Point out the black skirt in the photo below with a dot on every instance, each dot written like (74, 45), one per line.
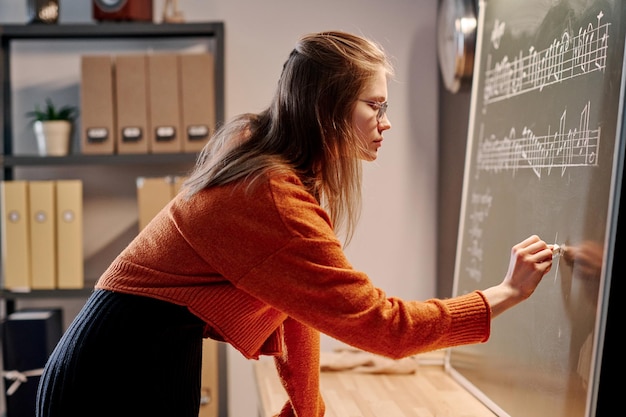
(125, 355)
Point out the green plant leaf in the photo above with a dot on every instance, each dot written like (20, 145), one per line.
(50, 112)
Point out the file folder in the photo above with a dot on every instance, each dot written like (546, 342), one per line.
(42, 234)
(97, 105)
(197, 87)
(15, 235)
(164, 113)
(152, 195)
(131, 96)
(69, 215)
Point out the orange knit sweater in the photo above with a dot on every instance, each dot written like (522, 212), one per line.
(265, 271)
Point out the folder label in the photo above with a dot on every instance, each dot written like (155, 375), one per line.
(165, 133)
(132, 134)
(97, 134)
(198, 133)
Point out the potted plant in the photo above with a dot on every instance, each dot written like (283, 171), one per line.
(53, 128)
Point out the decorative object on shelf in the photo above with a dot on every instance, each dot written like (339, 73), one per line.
(122, 10)
(171, 12)
(43, 11)
(53, 128)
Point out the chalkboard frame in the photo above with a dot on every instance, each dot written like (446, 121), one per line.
(605, 326)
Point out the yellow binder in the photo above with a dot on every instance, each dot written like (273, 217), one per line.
(15, 235)
(42, 234)
(152, 195)
(69, 214)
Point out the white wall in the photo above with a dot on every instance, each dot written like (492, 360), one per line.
(396, 239)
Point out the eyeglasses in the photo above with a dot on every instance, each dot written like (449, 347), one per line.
(380, 107)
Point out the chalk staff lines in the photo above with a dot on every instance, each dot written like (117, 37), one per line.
(566, 58)
(541, 153)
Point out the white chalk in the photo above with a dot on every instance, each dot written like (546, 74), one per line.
(557, 250)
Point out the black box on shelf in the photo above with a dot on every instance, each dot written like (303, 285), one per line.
(28, 338)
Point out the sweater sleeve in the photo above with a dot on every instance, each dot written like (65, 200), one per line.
(344, 304)
(298, 369)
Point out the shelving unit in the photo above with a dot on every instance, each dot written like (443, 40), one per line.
(10, 160)
(111, 175)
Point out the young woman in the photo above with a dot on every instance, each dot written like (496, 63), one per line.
(248, 254)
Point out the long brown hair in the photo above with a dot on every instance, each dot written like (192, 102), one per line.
(307, 129)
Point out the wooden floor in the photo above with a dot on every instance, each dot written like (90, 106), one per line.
(429, 392)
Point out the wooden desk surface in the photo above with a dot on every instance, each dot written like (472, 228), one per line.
(429, 392)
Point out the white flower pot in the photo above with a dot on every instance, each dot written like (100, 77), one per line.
(53, 137)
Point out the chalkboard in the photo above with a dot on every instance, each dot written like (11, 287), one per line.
(544, 156)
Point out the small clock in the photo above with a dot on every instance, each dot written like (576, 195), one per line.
(456, 41)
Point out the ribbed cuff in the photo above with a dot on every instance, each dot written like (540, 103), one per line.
(471, 318)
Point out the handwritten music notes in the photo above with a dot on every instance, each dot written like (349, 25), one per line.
(565, 148)
(573, 54)
(568, 57)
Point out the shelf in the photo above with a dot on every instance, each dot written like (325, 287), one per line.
(14, 295)
(79, 159)
(95, 31)
(111, 30)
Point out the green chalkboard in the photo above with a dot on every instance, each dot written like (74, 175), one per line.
(544, 156)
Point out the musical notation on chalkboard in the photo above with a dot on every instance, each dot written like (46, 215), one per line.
(565, 148)
(567, 57)
(480, 204)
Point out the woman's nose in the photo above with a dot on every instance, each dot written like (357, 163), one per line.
(384, 123)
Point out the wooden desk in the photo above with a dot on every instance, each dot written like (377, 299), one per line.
(430, 392)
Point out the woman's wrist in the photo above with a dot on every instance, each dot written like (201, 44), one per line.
(501, 297)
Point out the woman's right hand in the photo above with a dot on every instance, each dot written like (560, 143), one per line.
(530, 260)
